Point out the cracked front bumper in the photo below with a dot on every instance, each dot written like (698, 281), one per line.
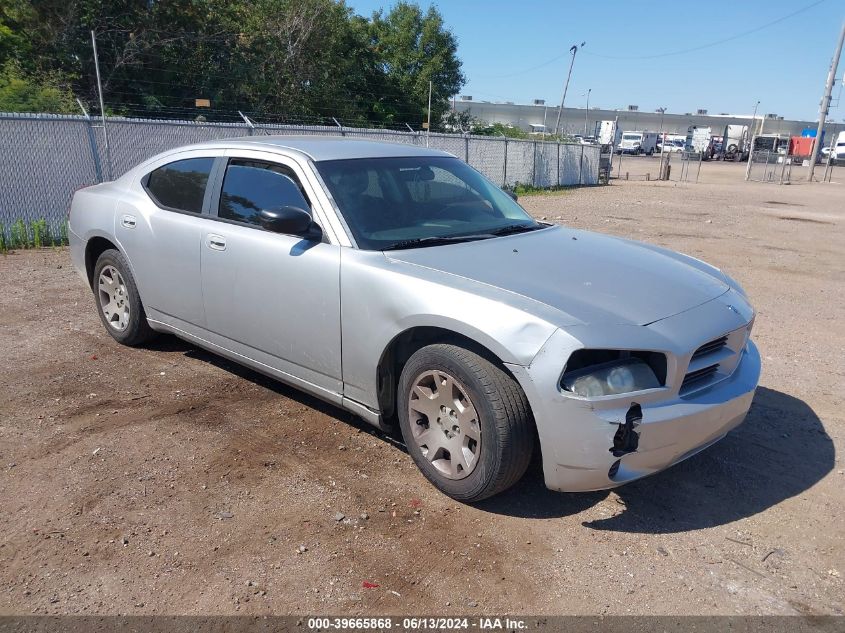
(576, 435)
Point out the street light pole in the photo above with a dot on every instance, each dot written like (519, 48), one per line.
(574, 50)
(752, 137)
(428, 123)
(662, 138)
(587, 111)
(660, 133)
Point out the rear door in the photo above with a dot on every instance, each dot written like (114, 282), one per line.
(160, 226)
(271, 297)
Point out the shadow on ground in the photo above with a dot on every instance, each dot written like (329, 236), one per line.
(171, 344)
(780, 451)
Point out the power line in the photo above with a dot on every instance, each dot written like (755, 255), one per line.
(714, 43)
(525, 70)
(667, 54)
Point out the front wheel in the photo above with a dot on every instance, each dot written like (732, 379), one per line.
(118, 302)
(465, 421)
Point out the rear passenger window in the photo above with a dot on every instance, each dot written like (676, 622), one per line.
(250, 187)
(180, 185)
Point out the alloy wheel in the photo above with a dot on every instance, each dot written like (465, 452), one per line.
(445, 424)
(114, 299)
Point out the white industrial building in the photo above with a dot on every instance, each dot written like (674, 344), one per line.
(533, 117)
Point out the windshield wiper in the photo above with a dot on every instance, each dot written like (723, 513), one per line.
(433, 240)
(453, 239)
(514, 228)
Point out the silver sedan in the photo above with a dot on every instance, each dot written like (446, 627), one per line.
(400, 284)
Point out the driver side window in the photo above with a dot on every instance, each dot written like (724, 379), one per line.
(251, 186)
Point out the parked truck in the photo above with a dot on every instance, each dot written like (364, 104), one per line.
(839, 148)
(698, 139)
(608, 133)
(735, 142)
(638, 143)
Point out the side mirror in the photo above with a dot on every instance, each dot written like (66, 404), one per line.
(287, 219)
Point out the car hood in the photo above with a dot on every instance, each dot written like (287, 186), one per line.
(588, 277)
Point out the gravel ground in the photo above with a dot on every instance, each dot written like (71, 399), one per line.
(167, 480)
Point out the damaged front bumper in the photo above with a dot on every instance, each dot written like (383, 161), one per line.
(603, 443)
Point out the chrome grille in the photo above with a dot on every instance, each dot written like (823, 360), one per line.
(698, 375)
(713, 346)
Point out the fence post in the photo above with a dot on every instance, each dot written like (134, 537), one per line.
(581, 168)
(466, 149)
(558, 163)
(95, 154)
(505, 175)
(249, 124)
(534, 166)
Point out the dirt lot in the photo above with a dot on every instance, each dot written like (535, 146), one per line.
(166, 480)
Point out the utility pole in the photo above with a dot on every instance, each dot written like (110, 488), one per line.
(825, 104)
(102, 107)
(753, 137)
(749, 135)
(574, 51)
(587, 111)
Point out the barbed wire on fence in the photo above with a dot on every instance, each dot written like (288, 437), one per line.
(44, 158)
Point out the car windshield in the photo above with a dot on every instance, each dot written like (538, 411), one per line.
(631, 137)
(419, 201)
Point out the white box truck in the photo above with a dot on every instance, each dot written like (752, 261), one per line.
(609, 133)
(638, 143)
(698, 139)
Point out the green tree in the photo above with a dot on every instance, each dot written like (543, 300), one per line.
(22, 93)
(413, 49)
(482, 128)
(293, 59)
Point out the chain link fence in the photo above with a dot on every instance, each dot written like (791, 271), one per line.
(45, 158)
(768, 166)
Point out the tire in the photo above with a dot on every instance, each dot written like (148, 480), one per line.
(118, 302)
(488, 408)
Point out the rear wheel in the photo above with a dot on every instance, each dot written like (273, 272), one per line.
(465, 421)
(118, 302)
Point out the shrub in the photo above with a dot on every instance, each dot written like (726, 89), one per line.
(18, 237)
(40, 233)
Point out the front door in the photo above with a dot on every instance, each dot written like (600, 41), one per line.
(274, 298)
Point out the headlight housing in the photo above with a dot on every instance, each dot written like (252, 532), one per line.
(627, 373)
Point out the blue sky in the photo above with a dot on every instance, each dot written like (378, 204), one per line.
(785, 65)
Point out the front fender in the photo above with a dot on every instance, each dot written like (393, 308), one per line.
(379, 303)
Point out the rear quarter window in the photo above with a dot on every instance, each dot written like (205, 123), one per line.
(180, 185)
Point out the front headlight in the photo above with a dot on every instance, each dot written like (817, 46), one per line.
(614, 377)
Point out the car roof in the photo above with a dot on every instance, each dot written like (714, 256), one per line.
(320, 148)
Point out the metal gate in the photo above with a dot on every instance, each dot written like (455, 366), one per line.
(768, 166)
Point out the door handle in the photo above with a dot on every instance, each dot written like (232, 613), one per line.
(216, 242)
(128, 221)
